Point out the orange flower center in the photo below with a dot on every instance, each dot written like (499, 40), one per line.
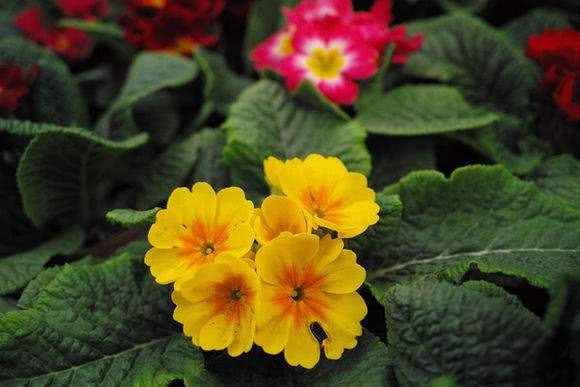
(232, 297)
(202, 242)
(321, 204)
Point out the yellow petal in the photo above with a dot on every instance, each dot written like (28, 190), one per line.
(217, 333)
(181, 203)
(346, 311)
(200, 287)
(192, 316)
(337, 340)
(243, 336)
(240, 240)
(165, 232)
(329, 249)
(278, 214)
(284, 252)
(302, 348)
(232, 206)
(354, 187)
(356, 218)
(205, 202)
(166, 265)
(273, 335)
(343, 275)
(272, 169)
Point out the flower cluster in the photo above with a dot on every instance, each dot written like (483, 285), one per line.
(330, 45)
(14, 85)
(277, 276)
(71, 43)
(558, 53)
(177, 26)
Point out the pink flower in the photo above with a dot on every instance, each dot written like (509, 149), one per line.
(310, 11)
(332, 59)
(404, 46)
(274, 51)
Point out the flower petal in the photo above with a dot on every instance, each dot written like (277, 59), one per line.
(343, 275)
(166, 265)
(232, 206)
(205, 201)
(240, 240)
(217, 333)
(302, 348)
(165, 232)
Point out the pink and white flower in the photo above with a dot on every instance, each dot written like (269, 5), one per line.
(271, 53)
(311, 11)
(332, 59)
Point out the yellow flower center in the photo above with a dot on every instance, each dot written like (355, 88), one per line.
(298, 294)
(236, 295)
(208, 249)
(326, 63)
(284, 47)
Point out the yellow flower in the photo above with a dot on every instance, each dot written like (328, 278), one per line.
(271, 169)
(307, 281)
(278, 214)
(218, 305)
(198, 226)
(329, 194)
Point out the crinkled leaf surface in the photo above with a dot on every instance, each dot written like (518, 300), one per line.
(53, 79)
(108, 324)
(131, 218)
(480, 216)
(267, 120)
(17, 269)
(560, 176)
(63, 168)
(439, 329)
(421, 110)
(464, 51)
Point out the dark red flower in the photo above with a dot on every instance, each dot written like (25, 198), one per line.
(170, 25)
(83, 9)
(558, 53)
(14, 84)
(404, 45)
(71, 43)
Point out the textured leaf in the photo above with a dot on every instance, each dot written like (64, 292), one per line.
(267, 120)
(222, 85)
(463, 51)
(483, 217)
(54, 79)
(96, 28)
(560, 176)
(63, 169)
(420, 110)
(151, 72)
(195, 157)
(437, 329)
(98, 325)
(535, 22)
(7, 304)
(131, 218)
(18, 269)
(395, 157)
(366, 364)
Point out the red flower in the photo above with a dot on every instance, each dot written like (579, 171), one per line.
(14, 84)
(71, 43)
(558, 53)
(83, 9)
(170, 25)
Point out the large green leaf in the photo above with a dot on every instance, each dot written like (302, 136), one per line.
(63, 170)
(480, 217)
(421, 110)
(560, 176)
(464, 51)
(54, 79)
(18, 269)
(150, 73)
(535, 22)
(268, 120)
(437, 329)
(98, 325)
(197, 157)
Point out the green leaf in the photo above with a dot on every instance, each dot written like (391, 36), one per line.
(420, 110)
(96, 28)
(36, 286)
(366, 364)
(463, 51)
(491, 290)
(265, 19)
(18, 269)
(63, 169)
(560, 176)
(184, 162)
(150, 73)
(7, 304)
(53, 79)
(131, 218)
(108, 324)
(535, 22)
(437, 329)
(267, 120)
(480, 217)
(395, 157)
(222, 85)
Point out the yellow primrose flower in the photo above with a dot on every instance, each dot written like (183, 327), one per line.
(271, 169)
(277, 215)
(329, 194)
(306, 281)
(198, 226)
(218, 304)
